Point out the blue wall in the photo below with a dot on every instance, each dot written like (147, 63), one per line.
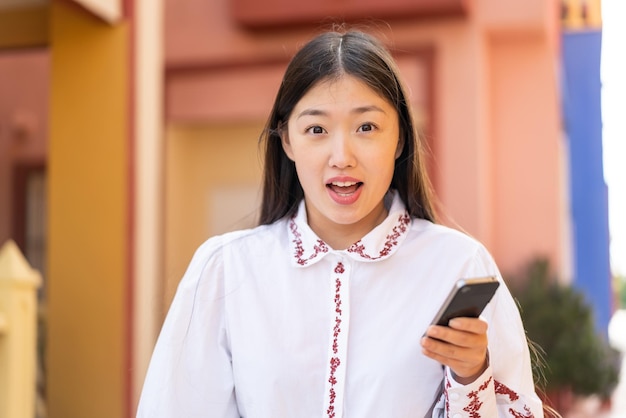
(588, 190)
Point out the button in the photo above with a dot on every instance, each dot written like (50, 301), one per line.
(454, 396)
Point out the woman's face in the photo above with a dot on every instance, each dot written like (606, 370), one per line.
(343, 138)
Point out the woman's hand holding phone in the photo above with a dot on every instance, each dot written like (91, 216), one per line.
(457, 338)
(462, 346)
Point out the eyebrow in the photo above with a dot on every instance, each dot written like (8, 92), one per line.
(357, 110)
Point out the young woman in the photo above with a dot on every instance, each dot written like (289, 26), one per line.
(324, 309)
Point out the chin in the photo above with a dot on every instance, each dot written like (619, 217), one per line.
(346, 218)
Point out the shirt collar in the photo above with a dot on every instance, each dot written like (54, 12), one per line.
(379, 244)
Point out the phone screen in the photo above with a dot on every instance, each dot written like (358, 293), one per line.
(468, 298)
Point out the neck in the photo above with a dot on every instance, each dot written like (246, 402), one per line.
(342, 236)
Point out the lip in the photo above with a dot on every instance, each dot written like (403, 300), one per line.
(344, 198)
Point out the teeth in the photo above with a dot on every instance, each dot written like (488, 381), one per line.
(343, 183)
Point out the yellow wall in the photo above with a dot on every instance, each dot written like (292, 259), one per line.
(213, 178)
(88, 247)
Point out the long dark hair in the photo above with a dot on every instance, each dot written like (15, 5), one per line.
(327, 56)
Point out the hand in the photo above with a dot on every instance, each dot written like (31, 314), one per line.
(462, 346)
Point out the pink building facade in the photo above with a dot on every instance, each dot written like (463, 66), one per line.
(484, 80)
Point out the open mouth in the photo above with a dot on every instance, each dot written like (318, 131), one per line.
(344, 188)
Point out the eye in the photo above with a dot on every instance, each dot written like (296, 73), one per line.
(366, 127)
(316, 130)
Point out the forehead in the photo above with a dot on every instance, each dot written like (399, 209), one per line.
(344, 90)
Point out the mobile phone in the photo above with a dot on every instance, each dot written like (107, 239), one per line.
(467, 298)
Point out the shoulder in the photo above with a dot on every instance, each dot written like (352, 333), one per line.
(440, 242)
(430, 233)
(209, 257)
(239, 240)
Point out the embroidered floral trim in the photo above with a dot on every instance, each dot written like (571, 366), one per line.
(473, 408)
(320, 248)
(447, 398)
(504, 390)
(526, 414)
(357, 248)
(335, 362)
(391, 241)
(475, 404)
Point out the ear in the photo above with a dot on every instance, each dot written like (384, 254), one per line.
(400, 146)
(284, 140)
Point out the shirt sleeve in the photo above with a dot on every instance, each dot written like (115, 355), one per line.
(506, 388)
(190, 373)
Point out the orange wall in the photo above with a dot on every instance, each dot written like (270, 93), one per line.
(88, 245)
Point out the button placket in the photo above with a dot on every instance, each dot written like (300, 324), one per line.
(337, 361)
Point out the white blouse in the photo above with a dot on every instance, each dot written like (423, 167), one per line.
(273, 323)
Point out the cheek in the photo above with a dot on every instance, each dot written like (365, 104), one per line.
(308, 178)
(386, 166)
(304, 168)
(307, 153)
(385, 158)
(299, 155)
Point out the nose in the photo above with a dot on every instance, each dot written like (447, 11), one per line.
(342, 151)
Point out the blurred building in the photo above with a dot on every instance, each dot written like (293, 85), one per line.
(129, 134)
(581, 97)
